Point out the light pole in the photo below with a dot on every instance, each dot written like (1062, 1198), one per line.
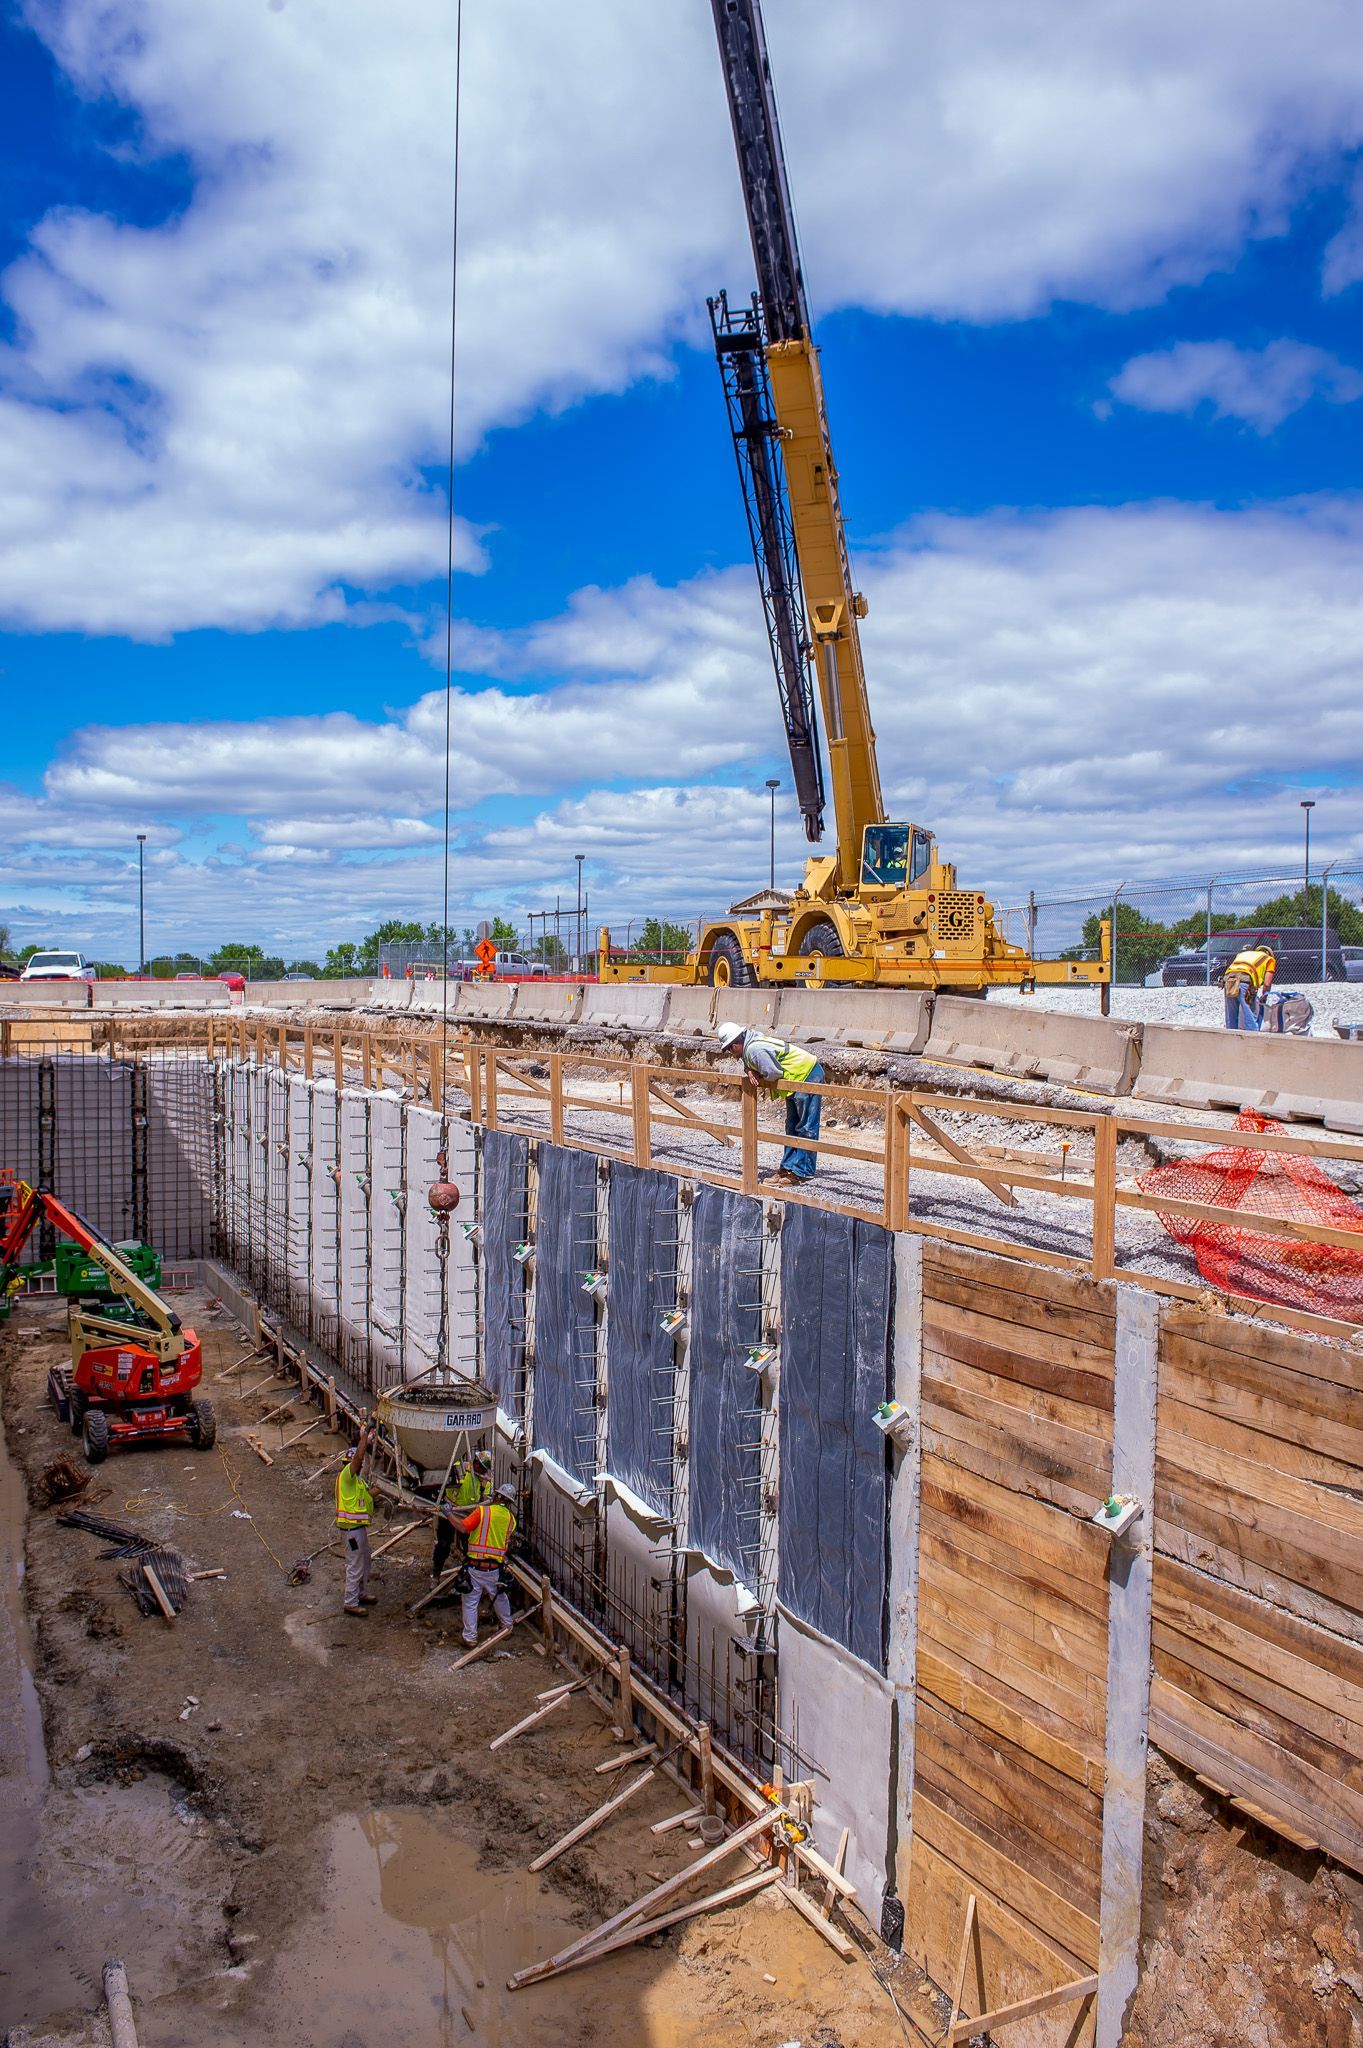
(141, 909)
(579, 858)
(1308, 804)
(773, 785)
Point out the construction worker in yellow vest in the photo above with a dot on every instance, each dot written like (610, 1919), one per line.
(1245, 985)
(779, 1066)
(354, 1506)
(489, 1530)
(469, 1489)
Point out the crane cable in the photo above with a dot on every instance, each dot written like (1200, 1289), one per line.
(449, 569)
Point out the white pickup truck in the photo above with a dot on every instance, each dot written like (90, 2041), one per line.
(58, 967)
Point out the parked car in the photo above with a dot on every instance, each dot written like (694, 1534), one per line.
(189, 977)
(299, 977)
(1353, 962)
(58, 967)
(233, 980)
(1297, 949)
(517, 964)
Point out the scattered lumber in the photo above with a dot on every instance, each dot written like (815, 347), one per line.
(676, 1820)
(642, 1754)
(442, 1585)
(1024, 2009)
(593, 1820)
(641, 1907)
(258, 1447)
(159, 1592)
(711, 1903)
(392, 1542)
(559, 1699)
(819, 1920)
(291, 1441)
(491, 1642)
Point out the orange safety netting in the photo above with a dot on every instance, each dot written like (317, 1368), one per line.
(1321, 1278)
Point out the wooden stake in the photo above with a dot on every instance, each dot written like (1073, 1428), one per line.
(593, 1820)
(159, 1591)
(547, 1612)
(707, 1769)
(839, 1864)
(626, 1701)
(319, 1424)
(810, 1912)
(668, 1889)
(963, 1959)
(392, 1542)
(282, 1409)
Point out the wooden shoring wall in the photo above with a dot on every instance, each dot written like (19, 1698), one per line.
(1011, 1698)
(1258, 1587)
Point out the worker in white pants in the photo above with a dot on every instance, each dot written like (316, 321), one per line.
(354, 1506)
(489, 1529)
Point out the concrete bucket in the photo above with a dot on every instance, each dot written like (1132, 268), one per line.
(433, 1423)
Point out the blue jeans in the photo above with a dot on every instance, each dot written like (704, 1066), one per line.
(1241, 1014)
(802, 1121)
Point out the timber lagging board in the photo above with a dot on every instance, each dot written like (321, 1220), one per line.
(1258, 1591)
(1012, 1649)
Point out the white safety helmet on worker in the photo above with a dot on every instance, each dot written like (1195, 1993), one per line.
(729, 1034)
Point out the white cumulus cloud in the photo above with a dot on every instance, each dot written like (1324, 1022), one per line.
(1260, 386)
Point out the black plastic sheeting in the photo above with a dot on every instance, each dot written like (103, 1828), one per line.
(505, 1164)
(836, 1286)
(564, 1421)
(725, 1463)
(640, 1356)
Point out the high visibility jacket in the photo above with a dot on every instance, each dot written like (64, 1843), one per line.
(795, 1063)
(490, 1530)
(1254, 965)
(470, 1490)
(354, 1501)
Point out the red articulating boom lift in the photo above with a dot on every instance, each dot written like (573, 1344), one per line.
(134, 1365)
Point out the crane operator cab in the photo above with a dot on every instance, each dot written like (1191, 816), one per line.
(894, 856)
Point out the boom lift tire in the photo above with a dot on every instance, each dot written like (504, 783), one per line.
(76, 1410)
(203, 1425)
(728, 968)
(94, 1436)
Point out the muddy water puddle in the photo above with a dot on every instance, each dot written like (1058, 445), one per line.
(414, 1944)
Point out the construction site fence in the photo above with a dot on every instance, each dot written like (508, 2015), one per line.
(892, 1139)
(1145, 913)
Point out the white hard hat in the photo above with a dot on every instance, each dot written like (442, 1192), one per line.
(729, 1034)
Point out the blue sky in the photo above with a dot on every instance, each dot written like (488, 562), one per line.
(1088, 300)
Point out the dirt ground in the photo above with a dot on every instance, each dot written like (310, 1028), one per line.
(289, 1824)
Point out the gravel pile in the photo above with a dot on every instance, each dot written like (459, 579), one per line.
(1334, 1002)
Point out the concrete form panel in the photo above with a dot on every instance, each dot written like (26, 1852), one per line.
(503, 1215)
(837, 1715)
(641, 1356)
(565, 1407)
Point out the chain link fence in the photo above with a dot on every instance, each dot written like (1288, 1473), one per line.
(1166, 929)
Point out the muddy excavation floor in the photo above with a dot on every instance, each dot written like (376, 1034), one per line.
(322, 1851)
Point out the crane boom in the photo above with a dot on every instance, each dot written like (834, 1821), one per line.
(810, 496)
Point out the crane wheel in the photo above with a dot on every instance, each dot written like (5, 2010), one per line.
(822, 938)
(203, 1426)
(728, 968)
(94, 1436)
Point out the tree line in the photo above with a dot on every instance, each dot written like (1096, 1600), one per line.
(1143, 943)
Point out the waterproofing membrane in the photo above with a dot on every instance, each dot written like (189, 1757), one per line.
(564, 1422)
(725, 1417)
(836, 1278)
(640, 1356)
(505, 1162)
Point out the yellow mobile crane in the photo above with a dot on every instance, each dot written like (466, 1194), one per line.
(882, 907)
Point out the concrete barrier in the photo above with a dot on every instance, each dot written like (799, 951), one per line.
(883, 1020)
(392, 995)
(625, 1005)
(49, 995)
(549, 1002)
(1100, 1053)
(691, 1011)
(318, 994)
(1313, 1080)
(161, 995)
(479, 1001)
(754, 1008)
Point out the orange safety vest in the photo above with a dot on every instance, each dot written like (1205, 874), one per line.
(490, 1540)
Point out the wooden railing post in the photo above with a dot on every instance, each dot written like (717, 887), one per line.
(474, 1056)
(747, 1107)
(338, 1058)
(1104, 1197)
(556, 1097)
(307, 1052)
(490, 1090)
(640, 1078)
